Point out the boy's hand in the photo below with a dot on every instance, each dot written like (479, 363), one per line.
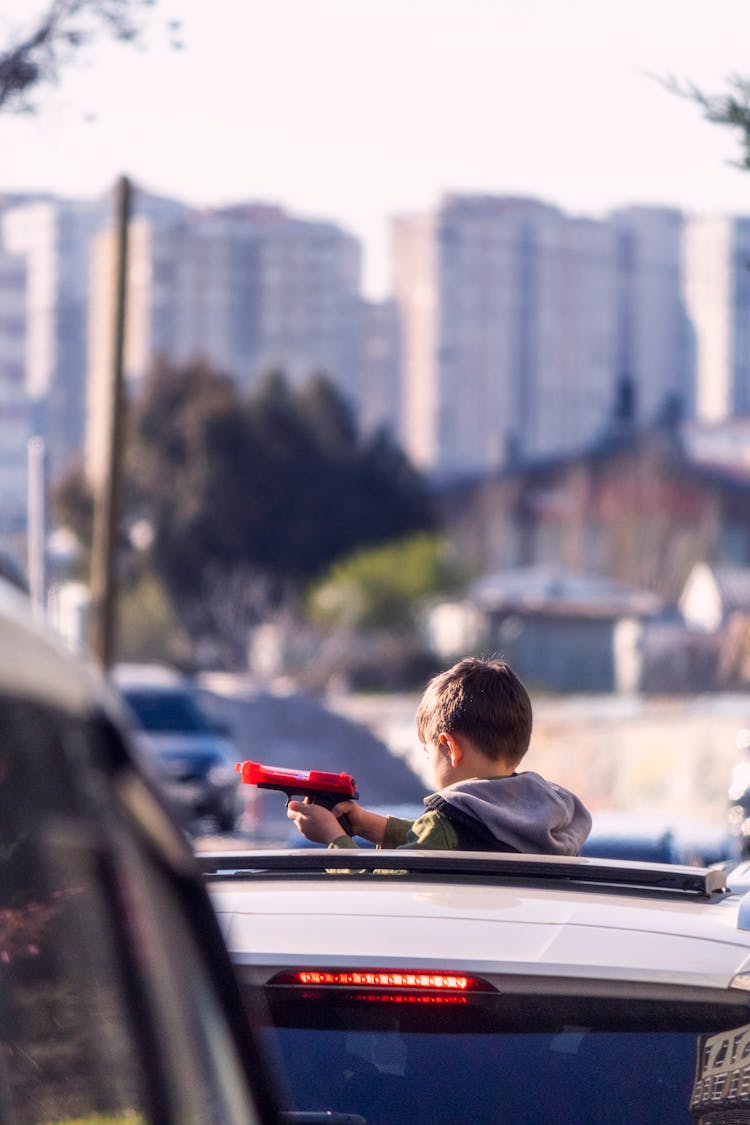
(315, 822)
(369, 825)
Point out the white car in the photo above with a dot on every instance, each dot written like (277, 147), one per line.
(422, 987)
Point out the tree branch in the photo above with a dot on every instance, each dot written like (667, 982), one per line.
(731, 108)
(66, 26)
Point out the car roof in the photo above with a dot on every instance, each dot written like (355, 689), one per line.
(35, 662)
(530, 916)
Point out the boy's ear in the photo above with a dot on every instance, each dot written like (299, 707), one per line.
(454, 749)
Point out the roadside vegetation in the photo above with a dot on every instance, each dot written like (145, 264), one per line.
(237, 506)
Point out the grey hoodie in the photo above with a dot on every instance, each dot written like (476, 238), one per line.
(521, 813)
(524, 812)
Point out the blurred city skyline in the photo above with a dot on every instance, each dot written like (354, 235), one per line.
(357, 112)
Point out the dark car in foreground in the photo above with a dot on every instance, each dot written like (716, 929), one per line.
(118, 1002)
(193, 756)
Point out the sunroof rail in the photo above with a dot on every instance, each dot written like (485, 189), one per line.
(696, 882)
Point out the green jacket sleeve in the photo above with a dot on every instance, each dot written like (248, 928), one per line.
(343, 841)
(432, 830)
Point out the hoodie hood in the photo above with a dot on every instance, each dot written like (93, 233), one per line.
(524, 811)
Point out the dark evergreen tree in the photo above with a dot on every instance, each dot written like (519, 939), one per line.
(276, 486)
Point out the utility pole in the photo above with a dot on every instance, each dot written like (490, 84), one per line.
(107, 489)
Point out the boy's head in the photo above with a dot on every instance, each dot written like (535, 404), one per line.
(483, 700)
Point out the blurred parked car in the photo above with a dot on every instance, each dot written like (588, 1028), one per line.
(194, 755)
(118, 1001)
(658, 839)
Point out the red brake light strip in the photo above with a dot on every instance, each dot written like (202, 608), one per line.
(435, 982)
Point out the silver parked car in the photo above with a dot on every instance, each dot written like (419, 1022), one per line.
(193, 756)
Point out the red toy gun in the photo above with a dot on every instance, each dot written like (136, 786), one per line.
(322, 788)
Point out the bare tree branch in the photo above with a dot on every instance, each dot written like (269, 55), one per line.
(731, 108)
(38, 56)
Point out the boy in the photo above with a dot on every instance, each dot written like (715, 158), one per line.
(474, 722)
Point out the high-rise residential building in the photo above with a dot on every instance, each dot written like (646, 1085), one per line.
(653, 335)
(379, 365)
(716, 282)
(308, 297)
(15, 403)
(507, 317)
(568, 377)
(248, 289)
(53, 237)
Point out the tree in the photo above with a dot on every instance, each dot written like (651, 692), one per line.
(38, 55)
(251, 498)
(383, 587)
(731, 108)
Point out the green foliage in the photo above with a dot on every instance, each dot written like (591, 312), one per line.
(73, 508)
(277, 485)
(731, 108)
(383, 587)
(244, 501)
(147, 626)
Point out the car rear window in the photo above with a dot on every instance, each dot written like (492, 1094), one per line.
(515, 1059)
(166, 711)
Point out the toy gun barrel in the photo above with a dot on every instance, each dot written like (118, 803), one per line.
(322, 788)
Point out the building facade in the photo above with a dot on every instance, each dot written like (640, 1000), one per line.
(15, 402)
(247, 289)
(654, 340)
(507, 315)
(53, 238)
(640, 511)
(519, 323)
(717, 295)
(379, 367)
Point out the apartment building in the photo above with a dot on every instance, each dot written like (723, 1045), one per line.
(567, 386)
(654, 348)
(379, 366)
(249, 289)
(519, 323)
(15, 402)
(307, 296)
(716, 280)
(53, 237)
(507, 313)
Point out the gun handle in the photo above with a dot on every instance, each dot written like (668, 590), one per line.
(328, 802)
(346, 824)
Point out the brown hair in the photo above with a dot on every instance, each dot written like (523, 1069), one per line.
(483, 699)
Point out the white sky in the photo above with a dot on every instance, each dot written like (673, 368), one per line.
(355, 110)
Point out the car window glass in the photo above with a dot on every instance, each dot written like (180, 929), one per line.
(69, 1047)
(166, 711)
(517, 1061)
(199, 1057)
